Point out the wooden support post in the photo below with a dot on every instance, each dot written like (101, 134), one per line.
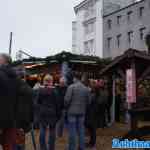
(113, 104)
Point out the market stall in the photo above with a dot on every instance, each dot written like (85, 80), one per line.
(64, 63)
(133, 67)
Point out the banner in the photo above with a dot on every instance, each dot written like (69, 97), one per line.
(131, 86)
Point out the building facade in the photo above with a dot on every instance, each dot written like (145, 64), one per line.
(126, 28)
(87, 37)
(74, 36)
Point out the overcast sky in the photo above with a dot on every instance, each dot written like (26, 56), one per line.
(40, 27)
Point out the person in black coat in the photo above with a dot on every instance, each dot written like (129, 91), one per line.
(61, 91)
(10, 103)
(48, 112)
(24, 114)
(96, 112)
(8, 96)
(109, 104)
(92, 118)
(24, 110)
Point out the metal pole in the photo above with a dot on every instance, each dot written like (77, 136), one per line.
(10, 44)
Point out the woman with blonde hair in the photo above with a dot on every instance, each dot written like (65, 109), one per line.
(48, 113)
(37, 84)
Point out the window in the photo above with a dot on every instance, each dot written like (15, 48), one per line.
(89, 28)
(73, 46)
(90, 10)
(86, 29)
(142, 30)
(130, 36)
(109, 42)
(89, 47)
(109, 22)
(119, 19)
(129, 15)
(74, 26)
(141, 10)
(119, 40)
(86, 48)
(87, 13)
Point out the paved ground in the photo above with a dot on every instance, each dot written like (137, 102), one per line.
(103, 142)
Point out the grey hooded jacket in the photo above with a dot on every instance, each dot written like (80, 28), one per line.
(77, 98)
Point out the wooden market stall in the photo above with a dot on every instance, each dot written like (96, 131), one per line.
(139, 62)
(91, 65)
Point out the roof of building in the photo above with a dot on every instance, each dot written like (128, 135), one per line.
(64, 56)
(123, 62)
(36, 65)
(112, 13)
(81, 4)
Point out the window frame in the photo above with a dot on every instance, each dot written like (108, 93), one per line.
(109, 24)
(119, 19)
(130, 34)
(141, 30)
(109, 39)
(129, 13)
(86, 47)
(141, 11)
(119, 40)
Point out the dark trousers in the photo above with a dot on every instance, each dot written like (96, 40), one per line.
(108, 114)
(92, 132)
(51, 138)
(117, 113)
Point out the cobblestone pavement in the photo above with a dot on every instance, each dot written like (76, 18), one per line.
(104, 140)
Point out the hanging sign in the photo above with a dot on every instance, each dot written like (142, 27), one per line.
(131, 86)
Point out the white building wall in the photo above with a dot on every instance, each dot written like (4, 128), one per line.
(74, 28)
(80, 32)
(99, 28)
(97, 35)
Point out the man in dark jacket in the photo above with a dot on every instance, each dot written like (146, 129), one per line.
(24, 111)
(8, 94)
(61, 91)
(10, 86)
(92, 116)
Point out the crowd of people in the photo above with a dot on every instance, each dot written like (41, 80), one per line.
(80, 106)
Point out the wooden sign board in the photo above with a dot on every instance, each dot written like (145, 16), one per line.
(131, 86)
